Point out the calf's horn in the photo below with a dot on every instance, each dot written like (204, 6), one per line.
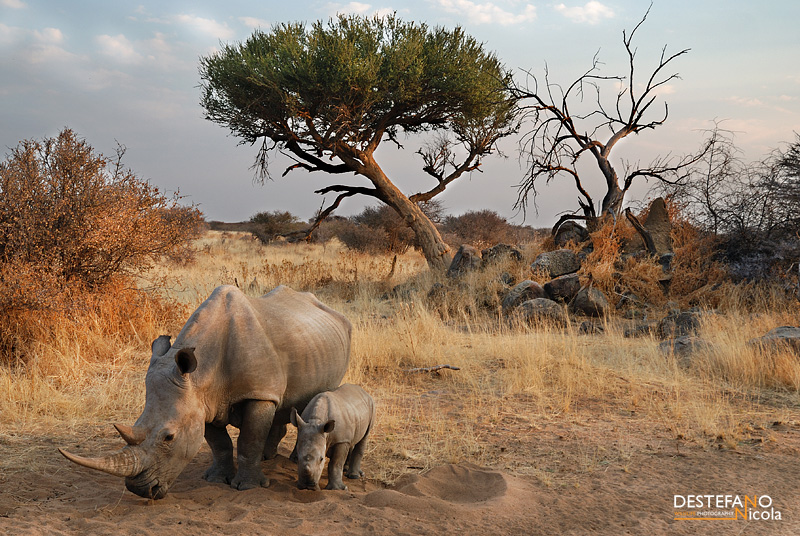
(131, 434)
(124, 463)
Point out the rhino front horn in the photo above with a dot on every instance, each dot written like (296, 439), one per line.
(124, 463)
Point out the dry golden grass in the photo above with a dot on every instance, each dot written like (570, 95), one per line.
(509, 373)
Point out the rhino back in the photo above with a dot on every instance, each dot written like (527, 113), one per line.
(284, 347)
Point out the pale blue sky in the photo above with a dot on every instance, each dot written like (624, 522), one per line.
(128, 72)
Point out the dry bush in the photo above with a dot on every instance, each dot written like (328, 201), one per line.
(74, 227)
(82, 215)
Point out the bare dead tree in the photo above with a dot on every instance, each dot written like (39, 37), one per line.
(559, 138)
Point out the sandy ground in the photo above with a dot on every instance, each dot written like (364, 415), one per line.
(597, 474)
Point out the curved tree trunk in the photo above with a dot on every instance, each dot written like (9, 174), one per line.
(435, 250)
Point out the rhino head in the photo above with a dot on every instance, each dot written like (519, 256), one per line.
(311, 449)
(168, 433)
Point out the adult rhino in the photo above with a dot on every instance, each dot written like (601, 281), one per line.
(240, 361)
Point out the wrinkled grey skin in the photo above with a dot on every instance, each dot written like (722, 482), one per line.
(240, 361)
(335, 424)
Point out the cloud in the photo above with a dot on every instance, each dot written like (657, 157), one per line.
(119, 48)
(488, 13)
(13, 4)
(746, 101)
(49, 35)
(357, 8)
(206, 26)
(253, 22)
(591, 13)
(34, 46)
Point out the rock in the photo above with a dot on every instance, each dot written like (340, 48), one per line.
(665, 261)
(569, 231)
(657, 224)
(404, 291)
(437, 293)
(558, 262)
(683, 348)
(523, 291)
(782, 337)
(499, 252)
(634, 314)
(564, 288)
(507, 279)
(542, 310)
(465, 260)
(642, 329)
(591, 302)
(679, 324)
(590, 328)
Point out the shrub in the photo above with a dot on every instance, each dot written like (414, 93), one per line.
(479, 228)
(389, 228)
(72, 223)
(82, 216)
(363, 238)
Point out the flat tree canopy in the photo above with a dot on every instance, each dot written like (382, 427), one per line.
(329, 94)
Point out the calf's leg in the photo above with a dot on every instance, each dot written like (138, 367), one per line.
(354, 459)
(336, 466)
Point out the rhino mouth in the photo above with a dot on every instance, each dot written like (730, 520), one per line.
(303, 483)
(152, 489)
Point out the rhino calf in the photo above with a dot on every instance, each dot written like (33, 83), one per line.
(337, 424)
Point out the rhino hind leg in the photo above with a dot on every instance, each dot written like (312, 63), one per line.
(354, 460)
(257, 419)
(222, 469)
(336, 466)
(276, 434)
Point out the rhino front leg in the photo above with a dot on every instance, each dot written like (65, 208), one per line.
(257, 416)
(222, 469)
(336, 466)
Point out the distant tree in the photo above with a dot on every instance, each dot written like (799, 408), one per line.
(753, 208)
(328, 96)
(723, 194)
(269, 225)
(561, 134)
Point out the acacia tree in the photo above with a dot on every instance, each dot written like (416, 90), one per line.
(560, 137)
(328, 95)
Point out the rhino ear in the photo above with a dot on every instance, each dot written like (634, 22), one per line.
(328, 426)
(161, 345)
(186, 360)
(295, 418)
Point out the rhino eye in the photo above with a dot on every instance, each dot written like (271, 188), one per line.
(169, 437)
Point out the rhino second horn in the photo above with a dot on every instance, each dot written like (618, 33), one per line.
(124, 463)
(131, 434)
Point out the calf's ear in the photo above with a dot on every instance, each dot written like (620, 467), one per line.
(328, 426)
(294, 418)
(186, 360)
